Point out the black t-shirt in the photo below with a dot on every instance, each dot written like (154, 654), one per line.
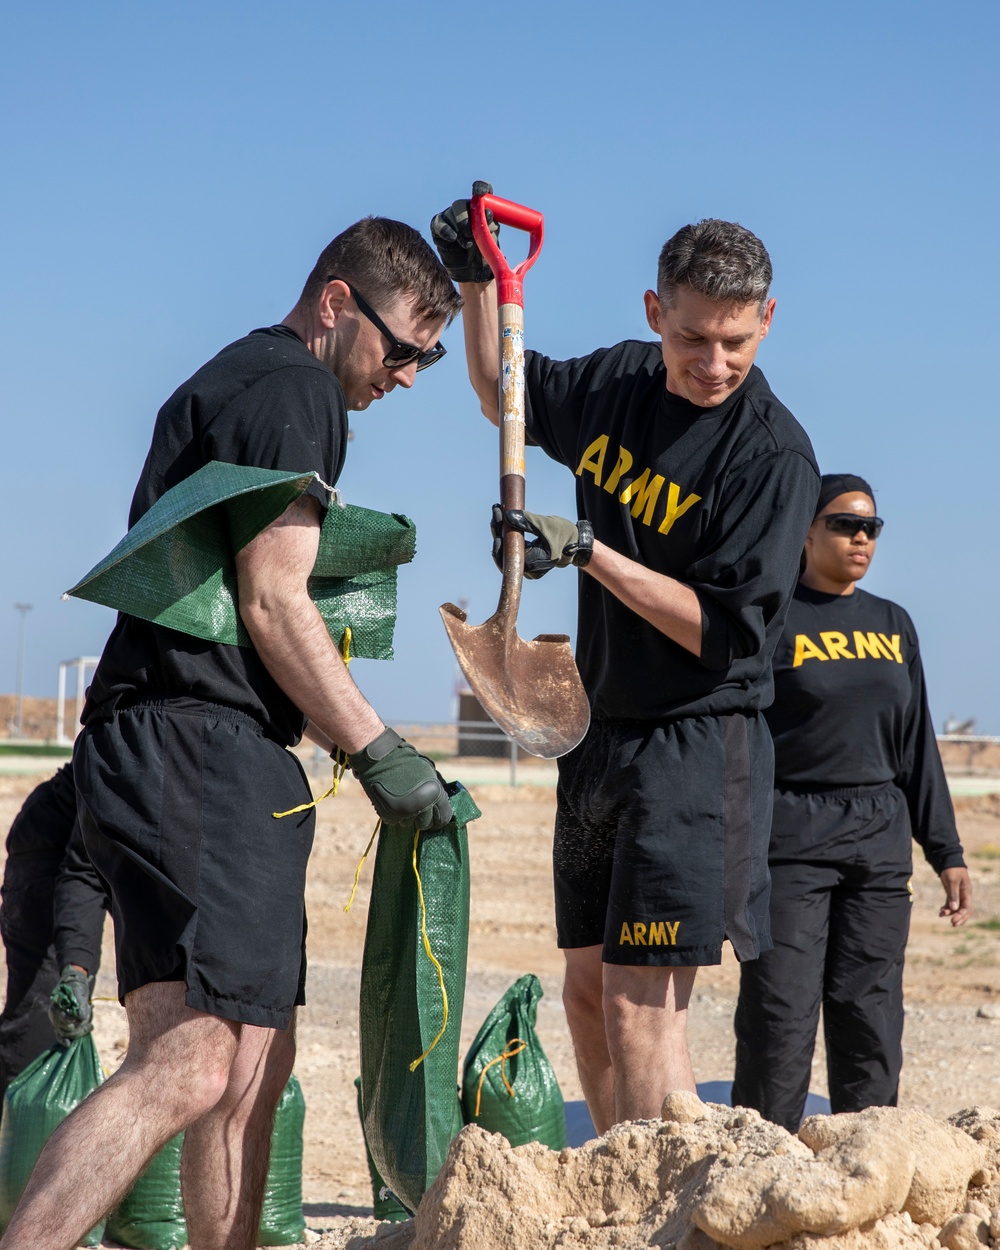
(263, 401)
(850, 709)
(718, 498)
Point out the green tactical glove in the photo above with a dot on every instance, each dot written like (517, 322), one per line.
(404, 787)
(452, 235)
(559, 542)
(70, 1009)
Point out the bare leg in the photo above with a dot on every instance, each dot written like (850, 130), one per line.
(645, 1013)
(224, 1165)
(584, 1002)
(176, 1069)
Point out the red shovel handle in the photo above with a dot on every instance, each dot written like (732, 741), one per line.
(507, 213)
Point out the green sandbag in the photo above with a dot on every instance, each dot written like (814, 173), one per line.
(385, 1204)
(410, 1117)
(176, 566)
(36, 1103)
(535, 1112)
(151, 1216)
(281, 1220)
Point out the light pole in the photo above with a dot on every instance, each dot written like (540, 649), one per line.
(24, 609)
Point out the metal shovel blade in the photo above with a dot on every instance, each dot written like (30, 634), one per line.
(532, 690)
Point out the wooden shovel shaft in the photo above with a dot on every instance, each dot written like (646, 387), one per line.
(511, 405)
(511, 412)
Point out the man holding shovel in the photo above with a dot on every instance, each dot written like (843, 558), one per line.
(695, 488)
(183, 761)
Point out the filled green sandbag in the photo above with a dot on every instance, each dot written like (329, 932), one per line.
(35, 1104)
(176, 565)
(281, 1220)
(385, 1204)
(412, 1113)
(531, 1109)
(151, 1216)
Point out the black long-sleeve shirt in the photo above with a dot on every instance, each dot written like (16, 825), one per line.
(718, 498)
(850, 709)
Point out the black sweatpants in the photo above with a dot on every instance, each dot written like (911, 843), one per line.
(45, 921)
(840, 865)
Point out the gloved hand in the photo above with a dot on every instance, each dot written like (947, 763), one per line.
(70, 1009)
(559, 543)
(452, 235)
(404, 787)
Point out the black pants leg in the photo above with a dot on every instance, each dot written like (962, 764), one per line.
(777, 1012)
(840, 910)
(36, 845)
(26, 928)
(863, 1001)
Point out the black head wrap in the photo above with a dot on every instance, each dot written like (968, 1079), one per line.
(834, 484)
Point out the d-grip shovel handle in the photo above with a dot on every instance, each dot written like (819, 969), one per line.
(507, 213)
(510, 311)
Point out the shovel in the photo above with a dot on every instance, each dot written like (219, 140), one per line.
(532, 690)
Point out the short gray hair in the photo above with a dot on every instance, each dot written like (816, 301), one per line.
(719, 259)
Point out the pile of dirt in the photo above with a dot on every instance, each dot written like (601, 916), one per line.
(707, 1177)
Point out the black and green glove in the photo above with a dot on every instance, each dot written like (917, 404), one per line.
(70, 1009)
(559, 542)
(452, 235)
(403, 786)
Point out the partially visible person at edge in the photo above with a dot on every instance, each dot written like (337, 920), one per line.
(51, 922)
(183, 758)
(857, 777)
(695, 488)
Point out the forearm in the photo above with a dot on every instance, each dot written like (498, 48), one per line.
(481, 327)
(292, 640)
(667, 604)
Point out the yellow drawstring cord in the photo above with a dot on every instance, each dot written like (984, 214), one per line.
(426, 940)
(340, 760)
(357, 875)
(431, 956)
(513, 1047)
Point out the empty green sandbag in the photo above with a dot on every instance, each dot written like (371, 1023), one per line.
(385, 1204)
(176, 566)
(281, 1220)
(508, 1074)
(36, 1103)
(151, 1215)
(412, 1113)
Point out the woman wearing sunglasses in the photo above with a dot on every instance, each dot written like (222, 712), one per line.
(857, 776)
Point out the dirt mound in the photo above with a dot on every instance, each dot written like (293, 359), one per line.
(707, 1176)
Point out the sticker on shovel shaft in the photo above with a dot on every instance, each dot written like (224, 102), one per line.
(512, 373)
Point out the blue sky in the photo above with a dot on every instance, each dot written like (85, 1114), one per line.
(171, 172)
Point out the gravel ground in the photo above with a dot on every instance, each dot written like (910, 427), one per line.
(952, 982)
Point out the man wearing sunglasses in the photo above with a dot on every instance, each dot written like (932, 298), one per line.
(697, 486)
(858, 776)
(183, 759)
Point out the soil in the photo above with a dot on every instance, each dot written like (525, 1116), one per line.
(952, 1035)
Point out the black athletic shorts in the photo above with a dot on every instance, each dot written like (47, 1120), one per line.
(207, 887)
(661, 840)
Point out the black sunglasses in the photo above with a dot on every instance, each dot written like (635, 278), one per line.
(849, 523)
(400, 354)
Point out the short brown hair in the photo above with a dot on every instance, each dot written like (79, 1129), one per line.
(721, 260)
(386, 259)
